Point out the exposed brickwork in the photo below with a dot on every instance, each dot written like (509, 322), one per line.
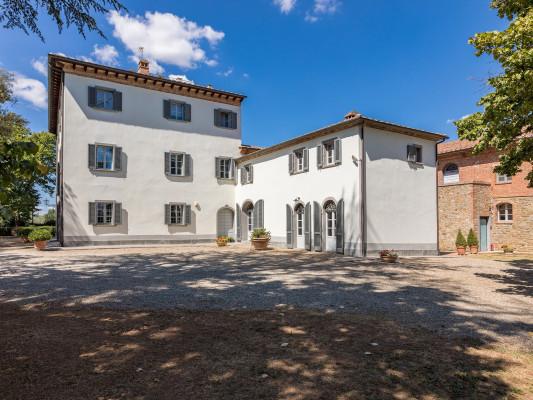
(477, 195)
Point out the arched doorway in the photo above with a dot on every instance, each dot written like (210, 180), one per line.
(299, 232)
(225, 222)
(330, 213)
(247, 220)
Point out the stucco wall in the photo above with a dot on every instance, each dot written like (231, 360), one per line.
(273, 183)
(401, 198)
(141, 186)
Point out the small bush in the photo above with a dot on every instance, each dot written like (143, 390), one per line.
(260, 233)
(472, 238)
(40, 234)
(24, 231)
(5, 231)
(460, 240)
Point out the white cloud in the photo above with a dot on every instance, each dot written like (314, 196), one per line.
(181, 78)
(86, 59)
(322, 7)
(106, 54)
(285, 6)
(226, 73)
(451, 121)
(30, 90)
(39, 65)
(165, 37)
(246, 75)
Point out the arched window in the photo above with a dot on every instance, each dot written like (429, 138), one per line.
(299, 210)
(505, 212)
(248, 210)
(331, 217)
(451, 173)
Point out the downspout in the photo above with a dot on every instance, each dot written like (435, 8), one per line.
(437, 188)
(362, 180)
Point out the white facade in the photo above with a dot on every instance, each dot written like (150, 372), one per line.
(360, 196)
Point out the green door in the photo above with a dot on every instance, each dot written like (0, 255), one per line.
(483, 233)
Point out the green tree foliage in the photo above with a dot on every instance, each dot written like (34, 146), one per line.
(506, 121)
(24, 14)
(460, 240)
(471, 239)
(27, 161)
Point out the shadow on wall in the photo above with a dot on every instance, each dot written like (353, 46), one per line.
(208, 354)
(174, 178)
(121, 228)
(123, 173)
(191, 228)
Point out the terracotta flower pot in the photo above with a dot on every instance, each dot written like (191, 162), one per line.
(222, 243)
(40, 244)
(473, 249)
(461, 251)
(389, 259)
(260, 243)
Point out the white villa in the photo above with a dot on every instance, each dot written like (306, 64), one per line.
(145, 159)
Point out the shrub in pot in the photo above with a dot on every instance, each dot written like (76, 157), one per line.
(222, 241)
(388, 256)
(472, 242)
(40, 238)
(260, 238)
(507, 249)
(460, 243)
(23, 232)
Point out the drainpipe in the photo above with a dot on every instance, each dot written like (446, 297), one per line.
(437, 187)
(362, 180)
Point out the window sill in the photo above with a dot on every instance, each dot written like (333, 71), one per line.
(104, 170)
(299, 172)
(330, 166)
(505, 222)
(177, 175)
(503, 183)
(177, 120)
(105, 109)
(225, 127)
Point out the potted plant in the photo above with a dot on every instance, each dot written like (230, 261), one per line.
(472, 242)
(388, 256)
(23, 233)
(40, 238)
(507, 249)
(222, 241)
(260, 238)
(460, 243)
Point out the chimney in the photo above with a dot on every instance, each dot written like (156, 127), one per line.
(352, 115)
(144, 66)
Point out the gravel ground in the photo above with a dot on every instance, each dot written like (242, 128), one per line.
(467, 296)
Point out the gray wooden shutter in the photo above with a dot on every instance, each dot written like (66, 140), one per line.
(117, 101)
(217, 117)
(92, 156)
(118, 213)
(187, 162)
(187, 214)
(92, 213)
(167, 163)
(288, 209)
(337, 147)
(118, 159)
(259, 214)
(307, 226)
(238, 222)
(317, 227)
(233, 120)
(217, 167)
(232, 173)
(243, 171)
(291, 163)
(187, 112)
(339, 231)
(319, 156)
(306, 159)
(166, 109)
(167, 214)
(92, 96)
(255, 217)
(251, 173)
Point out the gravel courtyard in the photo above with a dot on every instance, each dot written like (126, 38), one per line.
(471, 296)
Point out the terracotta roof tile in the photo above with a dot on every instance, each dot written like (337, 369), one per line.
(455, 145)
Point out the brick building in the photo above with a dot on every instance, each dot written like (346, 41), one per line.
(499, 208)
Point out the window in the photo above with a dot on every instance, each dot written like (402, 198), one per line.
(329, 153)
(331, 218)
(505, 212)
(225, 168)
(176, 110)
(104, 213)
(250, 219)
(225, 119)
(299, 160)
(451, 173)
(300, 219)
(177, 164)
(104, 157)
(177, 214)
(247, 174)
(104, 99)
(414, 153)
(503, 178)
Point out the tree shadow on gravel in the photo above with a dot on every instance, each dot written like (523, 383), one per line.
(80, 353)
(518, 279)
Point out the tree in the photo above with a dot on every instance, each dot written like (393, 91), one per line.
(506, 121)
(24, 14)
